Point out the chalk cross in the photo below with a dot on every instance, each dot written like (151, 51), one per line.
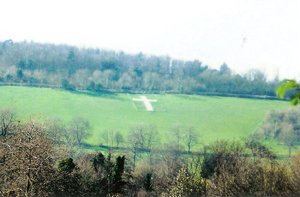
(147, 102)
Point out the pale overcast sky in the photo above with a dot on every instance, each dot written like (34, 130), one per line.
(245, 34)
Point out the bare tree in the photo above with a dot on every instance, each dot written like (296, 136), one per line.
(282, 126)
(145, 136)
(81, 78)
(28, 164)
(136, 139)
(125, 81)
(7, 121)
(109, 137)
(190, 137)
(142, 137)
(118, 138)
(288, 136)
(56, 130)
(79, 129)
(177, 133)
(184, 136)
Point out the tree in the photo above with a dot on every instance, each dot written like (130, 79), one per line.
(118, 171)
(290, 89)
(79, 129)
(119, 139)
(152, 137)
(7, 121)
(224, 69)
(20, 74)
(98, 161)
(151, 81)
(102, 166)
(66, 85)
(176, 131)
(185, 136)
(190, 138)
(21, 64)
(136, 139)
(288, 137)
(283, 126)
(57, 132)
(271, 125)
(147, 182)
(29, 160)
(230, 173)
(221, 153)
(81, 78)
(258, 149)
(109, 136)
(67, 179)
(66, 165)
(72, 61)
(142, 137)
(109, 175)
(185, 185)
(125, 81)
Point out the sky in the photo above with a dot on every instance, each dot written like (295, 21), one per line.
(246, 34)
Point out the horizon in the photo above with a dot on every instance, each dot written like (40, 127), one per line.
(255, 35)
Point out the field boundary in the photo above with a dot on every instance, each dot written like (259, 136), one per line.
(249, 96)
(178, 152)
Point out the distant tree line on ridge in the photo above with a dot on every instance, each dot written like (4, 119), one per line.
(72, 68)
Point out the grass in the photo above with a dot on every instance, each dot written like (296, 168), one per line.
(213, 117)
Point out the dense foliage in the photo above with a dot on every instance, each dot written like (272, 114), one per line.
(71, 68)
(289, 89)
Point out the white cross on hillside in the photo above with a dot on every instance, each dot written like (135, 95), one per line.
(147, 102)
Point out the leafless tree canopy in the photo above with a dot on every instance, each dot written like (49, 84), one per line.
(7, 121)
(79, 130)
(28, 161)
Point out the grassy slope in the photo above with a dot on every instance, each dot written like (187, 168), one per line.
(213, 117)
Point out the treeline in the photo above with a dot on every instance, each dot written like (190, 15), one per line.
(34, 162)
(72, 68)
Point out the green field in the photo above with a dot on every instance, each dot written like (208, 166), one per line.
(213, 117)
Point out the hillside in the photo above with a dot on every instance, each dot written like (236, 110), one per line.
(212, 117)
(69, 67)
